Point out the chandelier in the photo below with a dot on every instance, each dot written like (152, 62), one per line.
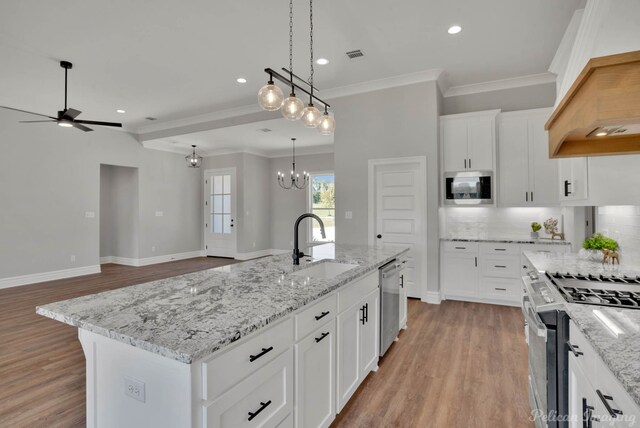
(294, 181)
(193, 160)
(271, 97)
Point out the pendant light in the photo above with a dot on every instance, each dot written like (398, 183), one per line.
(294, 181)
(193, 160)
(270, 97)
(292, 106)
(327, 124)
(311, 115)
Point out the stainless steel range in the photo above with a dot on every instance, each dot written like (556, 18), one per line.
(617, 291)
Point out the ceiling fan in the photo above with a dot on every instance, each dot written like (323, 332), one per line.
(66, 117)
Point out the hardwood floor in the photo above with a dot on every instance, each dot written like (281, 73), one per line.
(42, 379)
(458, 365)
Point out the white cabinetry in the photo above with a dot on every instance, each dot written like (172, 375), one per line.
(468, 141)
(573, 180)
(403, 303)
(527, 176)
(596, 397)
(460, 269)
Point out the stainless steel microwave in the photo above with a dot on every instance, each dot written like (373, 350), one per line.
(468, 188)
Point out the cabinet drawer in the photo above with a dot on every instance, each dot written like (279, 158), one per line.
(460, 247)
(352, 293)
(262, 400)
(491, 248)
(500, 266)
(588, 360)
(501, 288)
(315, 316)
(223, 371)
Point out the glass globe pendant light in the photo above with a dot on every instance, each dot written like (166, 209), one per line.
(311, 116)
(327, 123)
(270, 97)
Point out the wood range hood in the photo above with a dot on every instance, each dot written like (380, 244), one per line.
(600, 114)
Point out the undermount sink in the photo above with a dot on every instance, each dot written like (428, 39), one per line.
(324, 270)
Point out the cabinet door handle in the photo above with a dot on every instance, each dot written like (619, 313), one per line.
(469, 163)
(575, 349)
(322, 315)
(476, 261)
(252, 358)
(526, 196)
(465, 164)
(587, 414)
(366, 312)
(531, 196)
(362, 320)
(567, 183)
(257, 412)
(402, 281)
(605, 400)
(322, 336)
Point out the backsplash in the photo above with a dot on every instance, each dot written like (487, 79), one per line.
(621, 223)
(493, 223)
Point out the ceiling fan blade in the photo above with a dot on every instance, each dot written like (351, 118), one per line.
(94, 122)
(36, 121)
(81, 127)
(29, 112)
(71, 113)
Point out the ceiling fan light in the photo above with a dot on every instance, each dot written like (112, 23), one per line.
(270, 97)
(327, 124)
(65, 124)
(311, 116)
(292, 108)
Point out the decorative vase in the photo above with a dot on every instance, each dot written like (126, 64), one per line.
(535, 235)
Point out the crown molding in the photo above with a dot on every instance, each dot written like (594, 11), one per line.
(280, 153)
(497, 85)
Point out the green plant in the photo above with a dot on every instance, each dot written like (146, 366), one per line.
(535, 226)
(600, 242)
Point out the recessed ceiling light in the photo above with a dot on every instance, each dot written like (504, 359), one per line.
(322, 61)
(120, 111)
(601, 134)
(241, 80)
(455, 29)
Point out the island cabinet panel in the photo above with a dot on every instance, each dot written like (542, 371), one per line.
(370, 337)
(222, 371)
(316, 315)
(315, 377)
(353, 292)
(264, 399)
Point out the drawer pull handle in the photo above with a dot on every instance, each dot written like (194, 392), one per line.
(500, 266)
(322, 315)
(461, 248)
(257, 412)
(605, 400)
(575, 349)
(322, 336)
(500, 249)
(252, 358)
(501, 289)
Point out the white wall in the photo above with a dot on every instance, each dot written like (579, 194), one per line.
(49, 178)
(389, 123)
(119, 228)
(513, 99)
(621, 223)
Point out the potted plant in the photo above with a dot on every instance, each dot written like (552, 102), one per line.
(593, 246)
(535, 227)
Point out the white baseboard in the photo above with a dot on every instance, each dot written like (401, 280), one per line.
(34, 278)
(151, 260)
(261, 253)
(432, 297)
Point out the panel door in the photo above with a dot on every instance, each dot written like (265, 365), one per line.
(454, 144)
(369, 334)
(219, 212)
(315, 374)
(513, 163)
(400, 198)
(543, 171)
(348, 354)
(481, 135)
(460, 275)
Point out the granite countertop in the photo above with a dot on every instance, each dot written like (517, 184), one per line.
(510, 241)
(190, 316)
(618, 347)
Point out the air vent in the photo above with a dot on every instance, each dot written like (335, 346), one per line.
(151, 118)
(355, 54)
(264, 130)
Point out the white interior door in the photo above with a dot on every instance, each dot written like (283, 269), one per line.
(219, 212)
(399, 213)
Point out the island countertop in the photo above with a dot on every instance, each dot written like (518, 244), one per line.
(190, 316)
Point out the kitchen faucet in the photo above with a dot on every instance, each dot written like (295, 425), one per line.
(297, 254)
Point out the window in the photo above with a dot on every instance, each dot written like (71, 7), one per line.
(221, 204)
(322, 202)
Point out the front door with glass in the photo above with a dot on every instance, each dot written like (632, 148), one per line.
(219, 212)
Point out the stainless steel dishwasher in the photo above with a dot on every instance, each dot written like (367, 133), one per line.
(389, 305)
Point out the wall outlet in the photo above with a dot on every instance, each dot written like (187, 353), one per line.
(153, 249)
(348, 215)
(134, 388)
(159, 213)
(73, 258)
(90, 214)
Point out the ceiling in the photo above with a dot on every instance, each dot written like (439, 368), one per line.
(173, 60)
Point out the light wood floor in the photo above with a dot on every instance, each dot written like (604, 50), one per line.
(458, 364)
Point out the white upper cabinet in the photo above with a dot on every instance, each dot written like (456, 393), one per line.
(468, 141)
(573, 181)
(527, 176)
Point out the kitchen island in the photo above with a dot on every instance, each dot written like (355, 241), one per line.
(216, 348)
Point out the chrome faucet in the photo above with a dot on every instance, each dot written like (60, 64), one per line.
(297, 254)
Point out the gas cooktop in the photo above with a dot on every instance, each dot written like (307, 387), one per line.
(601, 290)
